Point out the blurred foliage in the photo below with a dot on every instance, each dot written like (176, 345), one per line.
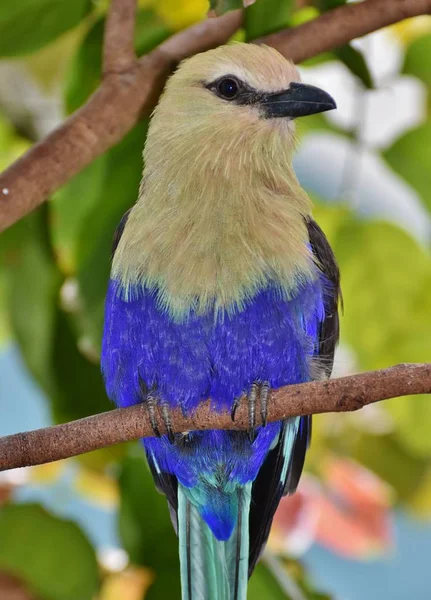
(410, 157)
(415, 60)
(54, 271)
(53, 556)
(143, 522)
(26, 25)
(267, 16)
(221, 6)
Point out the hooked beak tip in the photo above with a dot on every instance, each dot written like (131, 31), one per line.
(298, 100)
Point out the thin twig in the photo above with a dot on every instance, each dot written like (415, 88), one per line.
(120, 425)
(125, 96)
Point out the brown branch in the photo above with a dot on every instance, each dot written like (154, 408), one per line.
(116, 426)
(343, 24)
(128, 93)
(118, 50)
(109, 114)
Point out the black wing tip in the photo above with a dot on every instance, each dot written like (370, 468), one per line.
(119, 232)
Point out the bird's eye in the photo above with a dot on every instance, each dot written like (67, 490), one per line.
(228, 88)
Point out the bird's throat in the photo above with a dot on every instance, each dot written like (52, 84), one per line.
(211, 243)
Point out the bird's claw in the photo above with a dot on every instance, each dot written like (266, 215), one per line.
(251, 402)
(264, 395)
(166, 417)
(234, 409)
(256, 389)
(152, 403)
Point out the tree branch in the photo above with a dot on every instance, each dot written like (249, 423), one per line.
(120, 425)
(341, 25)
(130, 88)
(118, 49)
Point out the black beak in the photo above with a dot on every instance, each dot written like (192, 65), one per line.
(299, 100)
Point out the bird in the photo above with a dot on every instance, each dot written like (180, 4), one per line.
(222, 287)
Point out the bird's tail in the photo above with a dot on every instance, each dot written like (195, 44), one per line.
(212, 569)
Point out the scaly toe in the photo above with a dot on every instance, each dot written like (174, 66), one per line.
(151, 404)
(264, 396)
(251, 397)
(166, 416)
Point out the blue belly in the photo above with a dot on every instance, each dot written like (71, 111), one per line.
(272, 340)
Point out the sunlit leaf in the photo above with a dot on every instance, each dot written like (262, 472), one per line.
(26, 25)
(410, 157)
(416, 60)
(50, 554)
(178, 14)
(12, 145)
(303, 15)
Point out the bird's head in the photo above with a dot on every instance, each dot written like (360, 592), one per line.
(220, 207)
(240, 98)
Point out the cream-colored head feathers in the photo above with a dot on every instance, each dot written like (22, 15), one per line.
(220, 212)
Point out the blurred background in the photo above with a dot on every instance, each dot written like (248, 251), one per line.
(94, 528)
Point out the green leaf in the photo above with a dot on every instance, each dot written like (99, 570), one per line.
(70, 208)
(410, 157)
(387, 313)
(303, 15)
(145, 527)
(86, 68)
(50, 554)
(266, 16)
(324, 5)
(387, 457)
(32, 289)
(85, 71)
(26, 25)
(222, 6)
(355, 62)
(118, 191)
(412, 416)
(386, 281)
(150, 31)
(45, 334)
(416, 60)
(79, 390)
(263, 584)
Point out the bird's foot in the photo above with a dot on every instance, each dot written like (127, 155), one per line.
(262, 390)
(152, 403)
